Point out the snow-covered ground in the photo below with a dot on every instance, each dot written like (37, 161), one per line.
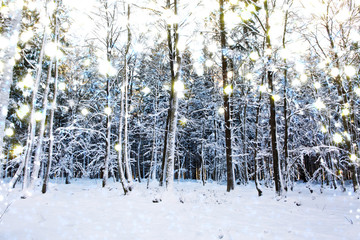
(84, 210)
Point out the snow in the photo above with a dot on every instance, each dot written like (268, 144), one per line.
(84, 210)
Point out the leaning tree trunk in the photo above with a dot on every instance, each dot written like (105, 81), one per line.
(32, 125)
(6, 72)
(228, 141)
(52, 115)
(38, 151)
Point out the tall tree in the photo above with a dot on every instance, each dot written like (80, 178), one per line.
(174, 54)
(227, 96)
(272, 120)
(52, 111)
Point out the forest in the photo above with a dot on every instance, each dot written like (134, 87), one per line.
(239, 93)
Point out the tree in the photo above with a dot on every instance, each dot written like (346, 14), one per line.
(174, 55)
(227, 95)
(9, 30)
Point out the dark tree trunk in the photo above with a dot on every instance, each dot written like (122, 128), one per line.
(275, 154)
(229, 164)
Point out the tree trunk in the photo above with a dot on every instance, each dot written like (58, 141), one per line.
(257, 185)
(286, 127)
(215, 153)
(152, 170)
(32, 125)
(126, 154)
(203, 171)
(272, 120)
(163, 162)
(245, 147)
(119, 157)
(38, 151)
(108, 134)
(51, 124)
(170, 152)
(138, 161)
(275, 154)
(229, 163)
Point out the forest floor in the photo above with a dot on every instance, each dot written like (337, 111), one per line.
(84, 210)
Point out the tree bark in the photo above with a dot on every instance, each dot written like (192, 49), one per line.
(32, 125)
(123, 180)
(38, 151)
(286, 125)
(275, 154)
(257, 185)
(126, 154)
(272, 120)
(52, 115)
(228, 143)
(170, 152)
(163, 162)
(108, 134)
(152, 170)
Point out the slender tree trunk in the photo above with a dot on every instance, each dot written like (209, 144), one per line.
(229, 163)
(275, 154)
(123, 180)
(152, 170)
(126, 154)
(52, 114)
(203, 171)
(354, 133)
(38, 151)
(163, 162)
(138, 161)
(108, 134)
(272, 120)
(245, 147)
(286, 127)
(257, 185)
(17, 174)
(32, 125)
(286, 134)
(215, 153)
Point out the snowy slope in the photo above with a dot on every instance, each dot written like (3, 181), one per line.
(83, 210)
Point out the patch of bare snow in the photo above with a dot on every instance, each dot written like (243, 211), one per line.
(84, 210)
